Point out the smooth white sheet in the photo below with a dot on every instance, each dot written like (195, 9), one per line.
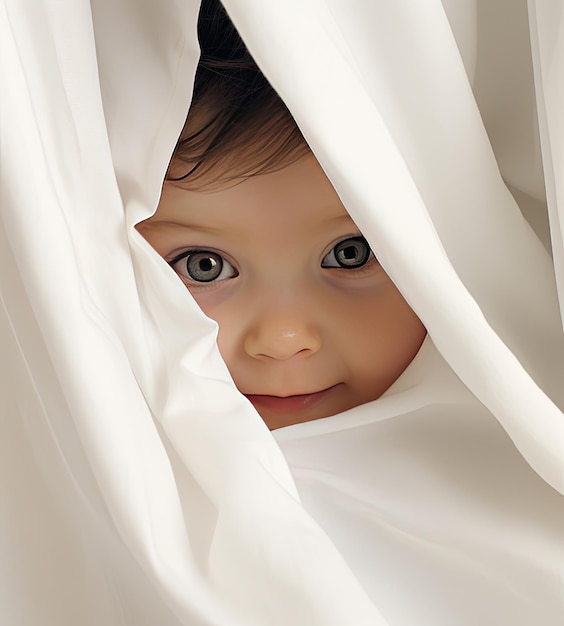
(423, 492)
(137, 485)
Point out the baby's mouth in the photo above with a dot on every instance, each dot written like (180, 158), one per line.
(288, 404)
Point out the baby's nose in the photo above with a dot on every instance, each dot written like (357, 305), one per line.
(282, 333)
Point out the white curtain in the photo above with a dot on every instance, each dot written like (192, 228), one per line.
(137, 485)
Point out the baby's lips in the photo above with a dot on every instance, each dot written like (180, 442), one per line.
(290, 403)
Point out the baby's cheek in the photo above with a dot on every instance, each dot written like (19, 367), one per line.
(387, 336)
(230, 333)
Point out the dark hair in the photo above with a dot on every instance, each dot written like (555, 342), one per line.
(237, 125)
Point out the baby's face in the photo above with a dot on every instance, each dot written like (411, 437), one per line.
(309, 323)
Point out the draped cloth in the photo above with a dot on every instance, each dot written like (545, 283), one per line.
(138, 487)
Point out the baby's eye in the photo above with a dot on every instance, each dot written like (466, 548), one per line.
(350, 253)
(203, 266)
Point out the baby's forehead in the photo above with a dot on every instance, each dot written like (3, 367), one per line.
(298, 195)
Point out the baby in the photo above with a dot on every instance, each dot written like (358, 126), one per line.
(309, 322)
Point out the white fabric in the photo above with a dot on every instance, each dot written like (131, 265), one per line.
(432, 506)
(137, 485)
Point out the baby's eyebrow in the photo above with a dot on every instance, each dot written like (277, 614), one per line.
(341, 217)
(156, 223)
